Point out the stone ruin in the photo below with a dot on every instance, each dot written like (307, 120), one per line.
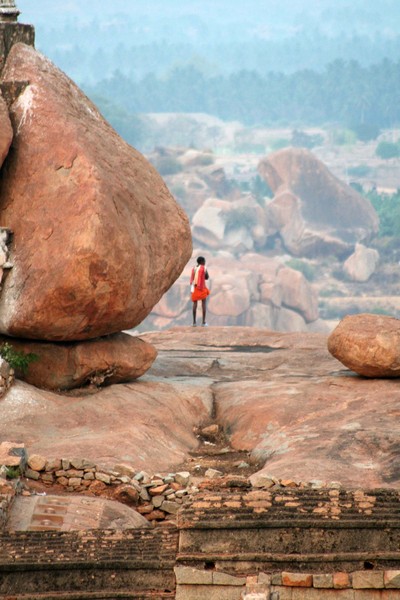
(228, 540)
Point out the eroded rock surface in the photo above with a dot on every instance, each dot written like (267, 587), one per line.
(281, 397)
(98, 238)
(368, 344)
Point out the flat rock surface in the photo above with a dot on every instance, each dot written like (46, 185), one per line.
(280, 396)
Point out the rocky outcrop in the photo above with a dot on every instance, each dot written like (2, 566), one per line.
(361, 264)
(316, 213)
(92, 219)
(368, 344)
(113, 359)
(280, 397)
(6, 132)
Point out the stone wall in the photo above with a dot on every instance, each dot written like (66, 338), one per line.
(225, 543)
(10, 34)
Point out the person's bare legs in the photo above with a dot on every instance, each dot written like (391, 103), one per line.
(194, 312)
(204, 309)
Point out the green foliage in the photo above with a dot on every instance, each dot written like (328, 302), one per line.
(359, 171)
(388, 209)
(240, 217)
(19, 361)
(388, 150)
(306, 268)
(13, 472)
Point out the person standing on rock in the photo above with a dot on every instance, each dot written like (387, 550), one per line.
(199, 289)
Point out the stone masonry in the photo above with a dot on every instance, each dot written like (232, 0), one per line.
(227, 540)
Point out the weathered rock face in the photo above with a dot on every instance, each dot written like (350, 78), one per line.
(361, 264)
(6, 132)
(317, 212)
(368, 344)
(98, 238)
(112, 359)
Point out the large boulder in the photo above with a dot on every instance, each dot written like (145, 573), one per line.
(315, 211)
(98, 238)
(112, 359)
(368, 344)
(6, 132)
(361, 264)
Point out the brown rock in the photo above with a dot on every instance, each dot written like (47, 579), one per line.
(368, 344)
(36, 462)
(103, 238)
(112, 359)
(315, 211)
(6, 132)
(127, 494)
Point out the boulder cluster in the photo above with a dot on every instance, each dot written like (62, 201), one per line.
(92, 220)
(300, 213)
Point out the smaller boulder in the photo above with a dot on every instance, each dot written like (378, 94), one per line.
(361, 264)
(368, 345)
(63, 366)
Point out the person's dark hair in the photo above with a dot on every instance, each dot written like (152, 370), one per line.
(201, 260)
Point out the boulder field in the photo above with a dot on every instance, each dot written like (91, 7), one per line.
(282, 397)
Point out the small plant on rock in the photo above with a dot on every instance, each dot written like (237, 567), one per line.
(19, 361)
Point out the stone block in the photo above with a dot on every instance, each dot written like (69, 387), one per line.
(183, 478)
(297, 579)
(190, 576)
(341, 580)
(323, 580)
(207, 592)
(170, 507)
(264, 578)
(276, 578)
(368, 580)
(103, 477)
(391, 579)
(74, 481)
(124, 469)
(282, 593)
(30, 474)
(219, 578)
(12, 454)
(53, 465)
(37, 462)
(314, 594)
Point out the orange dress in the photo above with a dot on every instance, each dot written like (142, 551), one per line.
(198, 279)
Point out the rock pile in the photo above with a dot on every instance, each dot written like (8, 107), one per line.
(154, 496)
